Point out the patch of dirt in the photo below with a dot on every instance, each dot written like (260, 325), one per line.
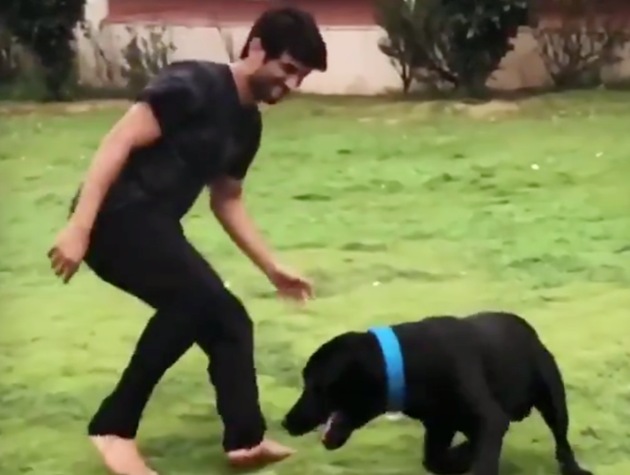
(86, 106)
(488, 110)
(392, 121)
(78, 107)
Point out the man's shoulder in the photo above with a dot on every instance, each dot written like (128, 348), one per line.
(196, 65)
(195, 70)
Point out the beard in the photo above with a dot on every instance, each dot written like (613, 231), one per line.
(266, 90)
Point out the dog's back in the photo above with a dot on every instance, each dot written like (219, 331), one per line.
(512, 356)
(509, 349)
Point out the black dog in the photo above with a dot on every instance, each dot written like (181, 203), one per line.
(471, 375)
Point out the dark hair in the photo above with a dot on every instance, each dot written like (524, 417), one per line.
(289, 30)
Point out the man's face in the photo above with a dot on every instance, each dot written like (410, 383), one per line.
(273, 79)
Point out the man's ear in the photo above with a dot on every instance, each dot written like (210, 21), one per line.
(256, 54)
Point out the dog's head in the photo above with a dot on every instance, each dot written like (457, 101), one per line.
(343, 390)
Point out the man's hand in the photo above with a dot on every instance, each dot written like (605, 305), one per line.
(69, 250)
(290, 284)
(227, 204)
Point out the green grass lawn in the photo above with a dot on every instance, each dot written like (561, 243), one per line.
(397, 211)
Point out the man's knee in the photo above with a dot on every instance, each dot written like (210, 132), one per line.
(217, 310)
(233, 315)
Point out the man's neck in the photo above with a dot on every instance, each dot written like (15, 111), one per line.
(241, 73)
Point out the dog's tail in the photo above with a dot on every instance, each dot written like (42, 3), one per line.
(552, 404)
(552, 399)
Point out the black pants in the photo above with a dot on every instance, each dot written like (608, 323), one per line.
(145, 253)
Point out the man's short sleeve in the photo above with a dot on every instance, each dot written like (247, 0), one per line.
(247, 149)
(175, 94)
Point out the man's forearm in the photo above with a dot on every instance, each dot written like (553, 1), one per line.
(238, 224)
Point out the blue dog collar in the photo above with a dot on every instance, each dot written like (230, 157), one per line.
(394, 367)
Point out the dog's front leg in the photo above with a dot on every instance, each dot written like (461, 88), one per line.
(442, 459)
(491, 430)
(490, 421)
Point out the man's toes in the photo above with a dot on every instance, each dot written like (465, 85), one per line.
(276, 450)
(267, 452)
(121, 456)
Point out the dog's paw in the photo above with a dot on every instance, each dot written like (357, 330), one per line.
(455, 461)
(444, 469)
(576, 470)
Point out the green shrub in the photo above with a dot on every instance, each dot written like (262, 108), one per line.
(47, 28)
(455, 42)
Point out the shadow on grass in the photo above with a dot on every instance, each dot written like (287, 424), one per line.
(191, 455)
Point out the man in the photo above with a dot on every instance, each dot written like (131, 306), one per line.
(197, 123)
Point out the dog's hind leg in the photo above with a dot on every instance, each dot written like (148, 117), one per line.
(551, 402)
(442, 459)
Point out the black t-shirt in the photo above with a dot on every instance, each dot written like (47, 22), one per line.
(206, 133)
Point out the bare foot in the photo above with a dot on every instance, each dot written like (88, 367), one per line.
(121, 456)
(267, 452)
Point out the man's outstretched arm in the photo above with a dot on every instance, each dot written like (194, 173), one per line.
(228, 205)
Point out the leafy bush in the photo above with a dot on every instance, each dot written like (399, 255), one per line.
(8, 60)
(455, 42)
(145, 57)
(580, 43)
(46, 27)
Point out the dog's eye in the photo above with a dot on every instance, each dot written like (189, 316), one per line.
(315, 388)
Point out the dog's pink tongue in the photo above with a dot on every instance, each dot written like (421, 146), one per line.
(327, 426)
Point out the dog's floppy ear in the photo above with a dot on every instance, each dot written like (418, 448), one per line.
(331, 360)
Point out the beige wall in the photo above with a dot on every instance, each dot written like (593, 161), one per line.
(356, 66)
